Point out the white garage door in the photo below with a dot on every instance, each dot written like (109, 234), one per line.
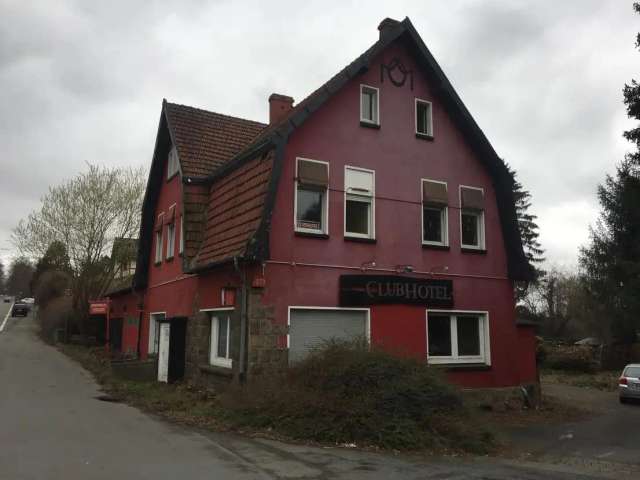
(309, 329)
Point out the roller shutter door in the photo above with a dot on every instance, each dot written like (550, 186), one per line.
(309, 329)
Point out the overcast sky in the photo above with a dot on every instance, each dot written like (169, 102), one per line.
(83, 81)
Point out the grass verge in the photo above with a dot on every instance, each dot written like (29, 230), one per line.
(606, 381)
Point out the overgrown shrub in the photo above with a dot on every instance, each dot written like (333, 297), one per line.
(50, 285)
(571, 358)
(54, 316)
(347, 393)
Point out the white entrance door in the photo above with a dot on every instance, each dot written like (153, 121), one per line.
(163, 352)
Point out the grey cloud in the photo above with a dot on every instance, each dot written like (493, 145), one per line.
(83, 81)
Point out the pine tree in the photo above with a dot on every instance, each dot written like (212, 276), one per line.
(612, 259)
(528, 233)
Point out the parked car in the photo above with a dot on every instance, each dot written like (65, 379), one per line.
(28, 300)
(629, 383)
(7, 299)
(20, 310)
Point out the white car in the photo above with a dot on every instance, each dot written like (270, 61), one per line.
(629, 383)
(28, 300)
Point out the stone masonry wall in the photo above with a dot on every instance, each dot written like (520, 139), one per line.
(266, 352)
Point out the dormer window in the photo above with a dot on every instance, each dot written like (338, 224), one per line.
(173, 164)
(369, 106)
(424, 119)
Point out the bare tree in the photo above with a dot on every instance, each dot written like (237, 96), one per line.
(85, 214)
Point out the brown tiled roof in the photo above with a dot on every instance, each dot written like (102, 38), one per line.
(206, 140)
(234, 210)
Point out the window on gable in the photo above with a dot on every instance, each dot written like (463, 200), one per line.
(424, 118)
(359, 203)
(158, 230)
(171, 231)
(312, 183)
(220, 339)
(472, 231)
(181, 242)
(173, 164)
(171, 240)
(435, 213)
(457, 337)
(369, 105)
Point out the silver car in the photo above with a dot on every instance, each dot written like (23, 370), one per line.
(629, 383)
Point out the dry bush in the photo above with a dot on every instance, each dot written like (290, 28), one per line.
(575, 358)
(347, 393)
(54, 316)
(50, 285)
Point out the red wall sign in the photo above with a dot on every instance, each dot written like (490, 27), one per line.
(100, 308)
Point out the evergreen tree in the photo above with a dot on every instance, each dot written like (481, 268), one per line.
(528, 233)
(20, 275)
(612, 259)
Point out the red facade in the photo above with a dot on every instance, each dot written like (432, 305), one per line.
(247, 241)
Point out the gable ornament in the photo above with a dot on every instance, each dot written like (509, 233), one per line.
(396, 72)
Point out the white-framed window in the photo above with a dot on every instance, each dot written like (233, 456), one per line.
(369, 105)
(171, 239)
(159, 227)
(181, 242)
(173, 164)
(435, 213)
(359, 202)
(424, 117)
(311, 203)
(154, 331)
(458, 337)
(472, 230)
(220, 337)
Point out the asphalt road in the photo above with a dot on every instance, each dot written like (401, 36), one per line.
(608, 442)
(53, 427)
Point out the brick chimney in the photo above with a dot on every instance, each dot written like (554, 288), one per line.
(279, 106)
(386, 25)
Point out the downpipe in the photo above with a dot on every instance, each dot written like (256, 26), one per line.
(242, 362)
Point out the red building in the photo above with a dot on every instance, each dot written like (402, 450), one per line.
(375, 207)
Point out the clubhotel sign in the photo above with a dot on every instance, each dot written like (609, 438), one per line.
(363, 290)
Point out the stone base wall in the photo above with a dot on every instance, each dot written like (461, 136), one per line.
(266, 349)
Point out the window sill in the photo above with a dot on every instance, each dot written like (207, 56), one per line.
(310, 234)
(424, 136)
(428, 246)
(461, 367)
(359, 239)
(477, 251)
(468, 367)
(216, 370)
(370, 125)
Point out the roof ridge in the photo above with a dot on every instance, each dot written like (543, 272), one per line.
(217, 113)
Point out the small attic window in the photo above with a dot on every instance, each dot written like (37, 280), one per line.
(173, 164)
(369, 106)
